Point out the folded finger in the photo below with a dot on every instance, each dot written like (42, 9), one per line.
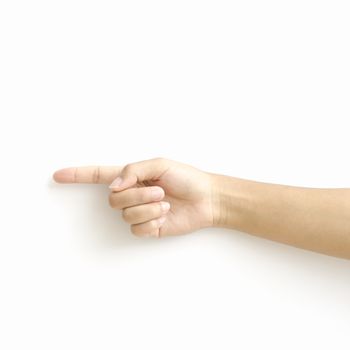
(145, 212)
(135, 196)
(149, 228)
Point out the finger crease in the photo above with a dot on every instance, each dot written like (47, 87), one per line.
(96, 175)
(75, 174)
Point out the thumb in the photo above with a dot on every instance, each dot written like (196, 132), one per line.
(131, 174)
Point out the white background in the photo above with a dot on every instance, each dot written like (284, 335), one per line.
(253, 89)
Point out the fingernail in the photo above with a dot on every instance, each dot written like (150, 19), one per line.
(116, 183)
(64, 175)
(165, 206)
(161, 220)
(156, 193)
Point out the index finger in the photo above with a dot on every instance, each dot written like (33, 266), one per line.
(87, 174)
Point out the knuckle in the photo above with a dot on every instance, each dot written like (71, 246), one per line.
(153, 224)
(128, 168)
(135, 230)
(127, 216)
(96, 175)
(111, 201)
(160, 160)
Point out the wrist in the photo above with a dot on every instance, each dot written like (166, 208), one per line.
(231, 202)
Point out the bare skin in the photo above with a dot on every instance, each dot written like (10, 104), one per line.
(161, 197)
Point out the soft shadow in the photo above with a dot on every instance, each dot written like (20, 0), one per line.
(292, 259)
(102, 226)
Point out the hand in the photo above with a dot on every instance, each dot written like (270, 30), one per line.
(158, 197)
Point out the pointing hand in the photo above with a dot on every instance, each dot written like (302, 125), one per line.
(158, 197)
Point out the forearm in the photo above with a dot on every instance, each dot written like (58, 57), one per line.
(309, 218)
